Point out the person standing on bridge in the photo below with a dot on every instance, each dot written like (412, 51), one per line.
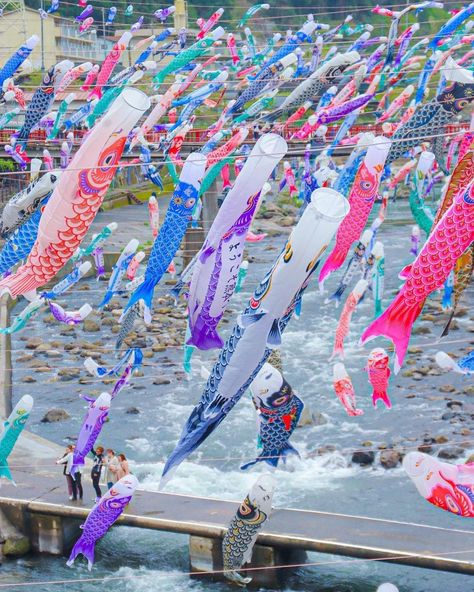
(123, 466)
(77, 486)
(66, 460)
(96, 471)
(74, 483)
(112, 464)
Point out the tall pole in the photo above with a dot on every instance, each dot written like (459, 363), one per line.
(42, 38)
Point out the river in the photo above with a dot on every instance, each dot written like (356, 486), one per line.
(326, 481)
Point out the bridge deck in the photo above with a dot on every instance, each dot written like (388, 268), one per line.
(354, 536)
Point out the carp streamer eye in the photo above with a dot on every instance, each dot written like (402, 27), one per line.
(245, 510)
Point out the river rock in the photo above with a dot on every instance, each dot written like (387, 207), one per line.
(268, 210)
(322, 450)
(35, 363)
(90, 325)
(455, 405)
(54, 354)
(309, 417)
(161, 380)
(44, 347)
(273, 232)
(108, 322)
(421, 330)
(66, 374)
(16, 546)
(389, 458)
(140, 342)
(363, 457)
(451, 452)
(33, 343)
(448, 415)
(12, 541)
(67, 330)
(426, 446)
(286, 221)
(441, 439)
(132, 411)
(28, 379)
(70, 347)
(53, 415)
(428, 317)
(25, 358)
(447, 388)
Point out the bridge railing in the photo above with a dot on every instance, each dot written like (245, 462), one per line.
(199, 135)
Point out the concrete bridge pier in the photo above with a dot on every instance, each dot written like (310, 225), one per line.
(205, 555)
(54, 535)
(47, 533)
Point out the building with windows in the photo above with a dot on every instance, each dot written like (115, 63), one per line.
(79, 48)
(18, 25)
(62, 40)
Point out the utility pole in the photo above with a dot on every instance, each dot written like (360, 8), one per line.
(42, 39)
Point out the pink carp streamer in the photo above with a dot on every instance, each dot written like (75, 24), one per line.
(361, 199)
(78, 196)
(446, 243)
(446, 486)
(378, 373)
(342, 329)
(109, 64)
(344, 390)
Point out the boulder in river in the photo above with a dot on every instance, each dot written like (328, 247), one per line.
(363, 457)
(161, 380)
(66, 374)
(33, 343)
(389, 458)
(90, 325)
(55, 414)
(16, 546)
(309, 417)
(451, 452)
(28, 379)
(447, 388)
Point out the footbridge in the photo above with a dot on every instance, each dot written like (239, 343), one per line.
(38, 507)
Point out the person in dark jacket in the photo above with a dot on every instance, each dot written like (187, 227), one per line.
(96, 471)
